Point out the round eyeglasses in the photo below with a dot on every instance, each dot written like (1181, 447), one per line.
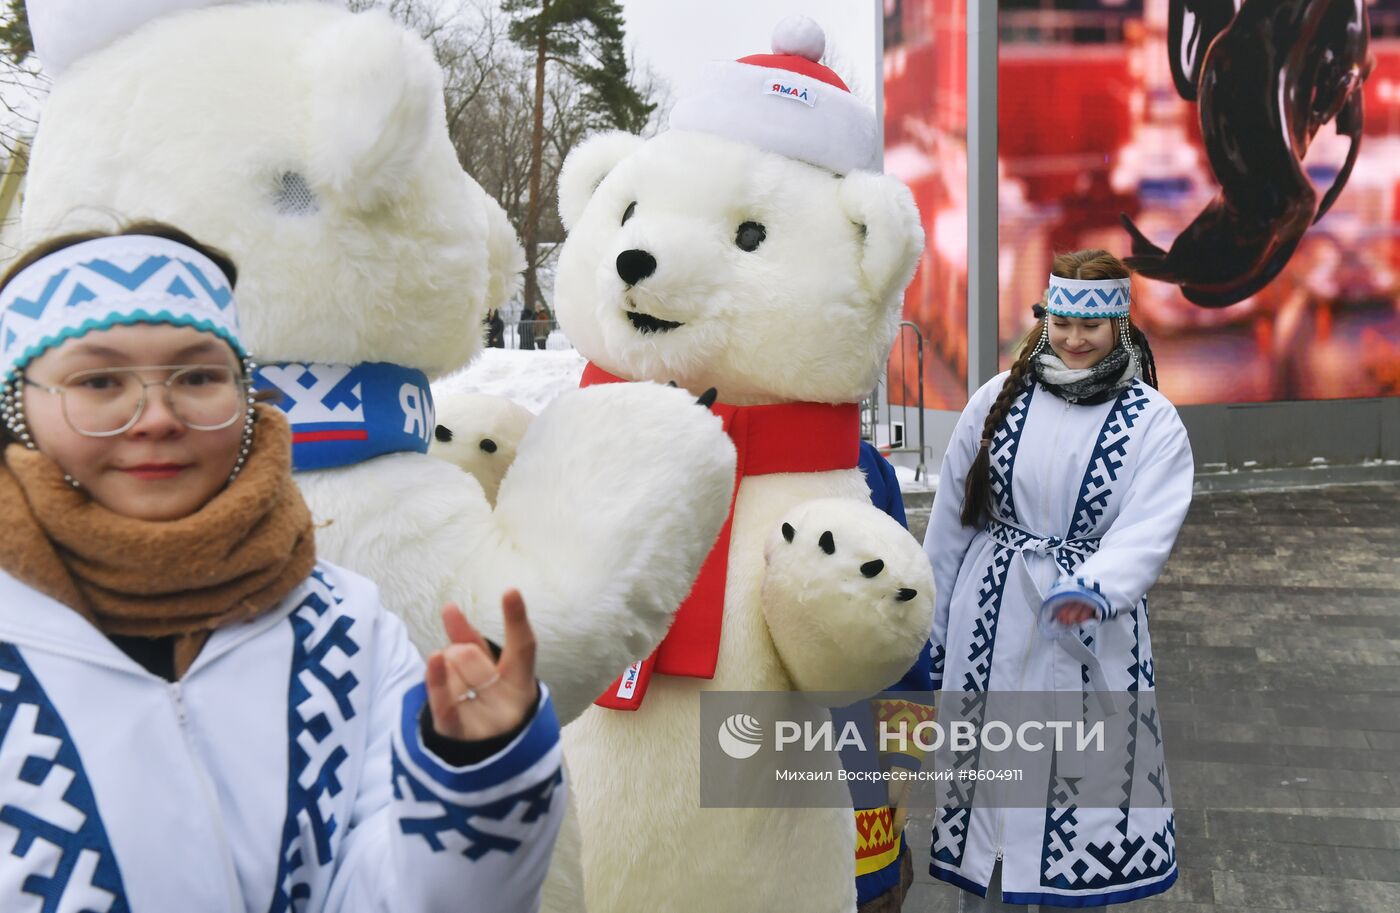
(107, 401)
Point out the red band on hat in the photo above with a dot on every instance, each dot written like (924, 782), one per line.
(796, 64)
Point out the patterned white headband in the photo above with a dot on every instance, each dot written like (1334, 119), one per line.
(107, 282)
(1088, 298)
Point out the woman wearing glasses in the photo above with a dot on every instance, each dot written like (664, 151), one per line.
(195, 713)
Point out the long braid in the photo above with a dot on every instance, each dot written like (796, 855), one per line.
(1149, 363)
(977, 487)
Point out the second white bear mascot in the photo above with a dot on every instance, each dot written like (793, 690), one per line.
(753, 250)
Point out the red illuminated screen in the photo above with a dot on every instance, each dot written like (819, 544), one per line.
(925, 81)
(1091, 125)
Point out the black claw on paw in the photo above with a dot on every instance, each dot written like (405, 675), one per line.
(670, 383)
(707, 399)
(488, 445)
(871, 568)
(905, 594)
(788, 531)
(827, 543)
(443, 433)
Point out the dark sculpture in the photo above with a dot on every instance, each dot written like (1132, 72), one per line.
(1266, 80)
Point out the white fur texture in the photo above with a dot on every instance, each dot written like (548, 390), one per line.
(586, 167)
(485, 432)
(823, 125)
(368, 151)
(602, 538)
(66, 30)
(809, 315)
(214, 119)
(800, 35)
(808, 597)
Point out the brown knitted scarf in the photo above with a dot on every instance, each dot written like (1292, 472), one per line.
(229, 561)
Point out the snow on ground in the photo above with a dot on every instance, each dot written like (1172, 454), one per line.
(907, 482)
(530, 378)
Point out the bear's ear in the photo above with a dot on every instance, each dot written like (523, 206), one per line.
(375, 97)
(892, 238)
(586, 167)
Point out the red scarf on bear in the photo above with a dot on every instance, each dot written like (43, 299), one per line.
(784, 437)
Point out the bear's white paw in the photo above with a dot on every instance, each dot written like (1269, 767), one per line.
(848, 596)
(616, 496)
(480, 434)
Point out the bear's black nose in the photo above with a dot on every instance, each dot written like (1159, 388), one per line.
(635, 265)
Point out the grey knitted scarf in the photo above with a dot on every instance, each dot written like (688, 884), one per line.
(1087, 386)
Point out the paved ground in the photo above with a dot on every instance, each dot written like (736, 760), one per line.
(1276, 628)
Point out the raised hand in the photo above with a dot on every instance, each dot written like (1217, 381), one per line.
(472, 696)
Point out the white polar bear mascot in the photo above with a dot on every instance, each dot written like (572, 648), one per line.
(310, 143)
(750, 249)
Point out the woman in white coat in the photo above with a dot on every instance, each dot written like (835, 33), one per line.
(195, 713)
(1063, 489)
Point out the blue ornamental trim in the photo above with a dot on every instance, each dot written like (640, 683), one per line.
(51, 804)
(1109, 299)
(538, 740)
(1097, 901)
(1006, 440)
(346, 414)
(1107, 459)
(450, 826)
(315, 729)
(1081, 589)
(1128, 855)
(108, 281)
(1083, 315)
(951, 830)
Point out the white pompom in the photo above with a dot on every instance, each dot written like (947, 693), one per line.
(799, 35)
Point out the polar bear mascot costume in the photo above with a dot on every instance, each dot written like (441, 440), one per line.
(751, 249)
(310, 143)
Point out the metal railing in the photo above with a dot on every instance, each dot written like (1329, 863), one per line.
(896, 438)
(523, 334)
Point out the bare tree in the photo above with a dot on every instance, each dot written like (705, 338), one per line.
(22, 86)
(488, 88)
(489, 84)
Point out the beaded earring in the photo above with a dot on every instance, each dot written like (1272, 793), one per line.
(1039, 312)
(249, 366)
(1126, 339)
(12, 407)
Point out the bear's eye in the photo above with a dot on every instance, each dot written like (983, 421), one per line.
(627, 213)
(750, 235)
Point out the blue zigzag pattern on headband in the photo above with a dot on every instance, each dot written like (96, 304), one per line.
(52, 301)
(1087, 303)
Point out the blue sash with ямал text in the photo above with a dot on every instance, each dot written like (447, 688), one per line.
(346, 414)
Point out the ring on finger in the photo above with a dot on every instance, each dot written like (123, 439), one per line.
(473, 691)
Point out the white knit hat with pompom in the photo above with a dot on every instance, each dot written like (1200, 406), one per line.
(785, 102)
